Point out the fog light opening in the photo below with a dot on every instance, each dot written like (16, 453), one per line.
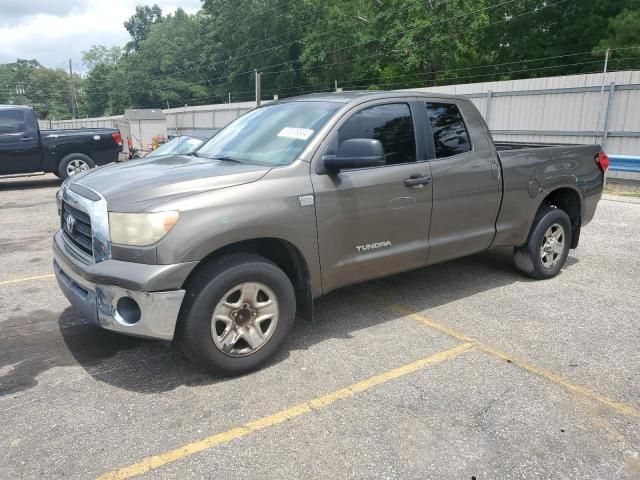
(127, 311)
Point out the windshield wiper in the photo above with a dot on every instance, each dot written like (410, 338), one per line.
(224, 158)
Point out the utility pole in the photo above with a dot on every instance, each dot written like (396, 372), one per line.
(258, 88)
(229, 97)
(74, 100)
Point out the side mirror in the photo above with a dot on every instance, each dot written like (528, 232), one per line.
(355, 153)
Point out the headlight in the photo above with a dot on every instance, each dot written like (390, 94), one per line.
(140, 229)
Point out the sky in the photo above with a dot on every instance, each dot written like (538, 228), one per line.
(53, 31)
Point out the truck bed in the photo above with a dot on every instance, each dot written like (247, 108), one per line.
(69, 132)
(530, 171)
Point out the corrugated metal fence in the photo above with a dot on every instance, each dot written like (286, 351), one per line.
(204, 116)
(590, 108)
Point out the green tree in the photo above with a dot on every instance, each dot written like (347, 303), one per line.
(623, 36)
(256, 34)
(169, 66)
(305, 45)
(14, 80)
(100, 86)
(48, 92)
(139, 24)
(101, 55)
(523, 30)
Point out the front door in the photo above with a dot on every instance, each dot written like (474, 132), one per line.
(372, 221)
(19, 147)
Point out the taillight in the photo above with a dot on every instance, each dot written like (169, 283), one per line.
(603, 161)
(117, 138)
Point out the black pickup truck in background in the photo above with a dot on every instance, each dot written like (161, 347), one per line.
(24, 148)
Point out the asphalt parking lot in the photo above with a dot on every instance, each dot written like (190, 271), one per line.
(463, 370)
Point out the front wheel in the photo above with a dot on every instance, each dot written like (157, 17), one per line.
(238, 312)
(547, 247)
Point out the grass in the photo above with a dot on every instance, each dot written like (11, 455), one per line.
(615, 191)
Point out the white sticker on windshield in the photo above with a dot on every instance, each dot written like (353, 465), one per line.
(297, 133)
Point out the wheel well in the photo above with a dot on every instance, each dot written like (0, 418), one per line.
(568, 200)
(285, 255)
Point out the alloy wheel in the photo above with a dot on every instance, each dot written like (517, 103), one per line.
(244, 319)
(552, 245)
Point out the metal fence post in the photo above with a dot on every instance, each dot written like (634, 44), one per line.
(487, 110)
(607, 112)
(258, 88)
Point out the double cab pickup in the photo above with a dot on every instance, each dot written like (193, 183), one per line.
(25, 149)
(220, 251)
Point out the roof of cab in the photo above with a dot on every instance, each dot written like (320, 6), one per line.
(15, 107)
(360, 95)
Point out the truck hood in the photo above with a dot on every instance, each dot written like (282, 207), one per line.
(140, 184)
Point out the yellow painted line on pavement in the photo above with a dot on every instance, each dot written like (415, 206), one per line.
(620, 407)
(26, 279)
(156, 461)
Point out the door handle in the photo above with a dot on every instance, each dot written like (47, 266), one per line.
(25, 139)
(417, 181)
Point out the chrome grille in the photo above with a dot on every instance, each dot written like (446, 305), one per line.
(76, 226)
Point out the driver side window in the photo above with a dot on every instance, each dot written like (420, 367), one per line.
(12, 121)
(391, 124)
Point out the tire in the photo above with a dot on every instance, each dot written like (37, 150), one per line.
(541, 257)
(80, 161)
(229, 345)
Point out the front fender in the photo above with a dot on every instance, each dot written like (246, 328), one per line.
(268, 208)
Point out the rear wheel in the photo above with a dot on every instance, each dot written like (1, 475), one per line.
(73, 164)
(238, 312)
(547, 247)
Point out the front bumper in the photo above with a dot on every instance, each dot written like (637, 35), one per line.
(101, 304)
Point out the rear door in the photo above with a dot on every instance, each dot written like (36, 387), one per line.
(19, 143)
(466, 181)
(370, 223)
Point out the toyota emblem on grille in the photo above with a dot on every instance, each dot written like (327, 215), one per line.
(69, 223)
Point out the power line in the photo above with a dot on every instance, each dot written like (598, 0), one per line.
(326, 65)
(516, 62)
(359, 84)
(249, 98)
(228, 76)
(402, 32)
(351, 60)
(390, 80)
(313, 36)
(511, 71)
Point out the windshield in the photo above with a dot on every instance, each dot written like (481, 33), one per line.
(272, 135)
(179, 145)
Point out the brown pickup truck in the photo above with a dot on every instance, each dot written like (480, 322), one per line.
(221, 250)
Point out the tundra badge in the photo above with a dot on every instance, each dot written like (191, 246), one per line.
(373, 246)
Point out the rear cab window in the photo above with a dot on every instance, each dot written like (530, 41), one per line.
(450, 135)
(391, 124)
(12, 121)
